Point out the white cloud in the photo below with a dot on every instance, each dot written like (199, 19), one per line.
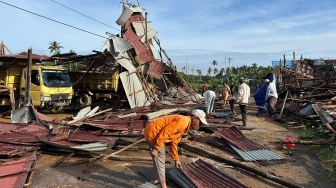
(247, 31)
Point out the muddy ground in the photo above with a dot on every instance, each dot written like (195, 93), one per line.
(303, 168)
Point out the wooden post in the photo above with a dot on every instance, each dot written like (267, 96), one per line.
(283, 104)
(28, 76)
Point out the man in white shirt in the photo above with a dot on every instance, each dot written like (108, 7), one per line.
(209, 99)
(271, 97)
(242, 98)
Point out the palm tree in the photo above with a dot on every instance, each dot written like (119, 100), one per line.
(199, 72)
(215, 71)
(183, 69)
(209, 71)
(72, 52)
(55, 47)
(214, 63)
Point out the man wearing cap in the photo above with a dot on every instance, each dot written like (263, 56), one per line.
(169, 129)
(271, 97)
(209, 99)
(242, 98)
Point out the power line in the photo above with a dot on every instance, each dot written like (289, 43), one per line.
(85, 15)
(53, 20)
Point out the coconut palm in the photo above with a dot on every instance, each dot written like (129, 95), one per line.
(183, 69)
(55, 47)
(214, 63)
(199, 72)
(72, 52)
(209, 71)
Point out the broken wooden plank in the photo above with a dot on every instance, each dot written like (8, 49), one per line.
(62, 159)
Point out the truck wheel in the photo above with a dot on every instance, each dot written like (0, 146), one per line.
(85, 100)
(57, 109)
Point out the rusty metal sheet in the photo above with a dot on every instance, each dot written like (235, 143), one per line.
(119, 126)
(90, 136)
(7, 149)
(16, 138)
(203, 174)
(143, 54)
(156, 69)
(41, 116)
(23, 56)
(14, 173)
(235, 137)
(34, 129)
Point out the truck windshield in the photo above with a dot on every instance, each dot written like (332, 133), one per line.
(56, 78)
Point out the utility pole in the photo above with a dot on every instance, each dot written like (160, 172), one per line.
(229, 64)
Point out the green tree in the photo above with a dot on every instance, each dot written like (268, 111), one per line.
(72, 52)
(214, 63)
(209, 71)
(184, 69)
(55, 47)
(199, 72)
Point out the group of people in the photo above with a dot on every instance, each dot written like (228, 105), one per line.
(171, 128)
(228, 91)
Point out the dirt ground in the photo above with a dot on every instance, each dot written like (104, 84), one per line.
(304, 168)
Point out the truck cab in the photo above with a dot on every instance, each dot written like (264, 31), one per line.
(50, 87)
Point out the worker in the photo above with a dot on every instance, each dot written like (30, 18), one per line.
(209, 99)
(204, 88)
(226, 92)
(242, 99)
(169, 129)
(271, 97)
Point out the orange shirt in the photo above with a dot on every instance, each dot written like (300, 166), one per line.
(167, 129)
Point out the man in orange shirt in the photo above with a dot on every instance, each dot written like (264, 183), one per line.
(169, 129)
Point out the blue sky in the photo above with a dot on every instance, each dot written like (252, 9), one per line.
(192, 31)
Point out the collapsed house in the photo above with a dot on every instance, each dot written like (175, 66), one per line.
(307, 90)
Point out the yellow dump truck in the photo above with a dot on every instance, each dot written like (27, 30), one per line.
(94, 85)
(50, 86)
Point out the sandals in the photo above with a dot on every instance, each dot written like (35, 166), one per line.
(155, 182)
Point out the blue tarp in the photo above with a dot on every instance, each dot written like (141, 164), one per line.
(259, 96)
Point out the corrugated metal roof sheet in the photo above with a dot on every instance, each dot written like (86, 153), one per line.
(14, 173)
(90, 136)
(143, 54)
(34, 129)
(117, 44)
(159, 113)
(156, 69)
(24, 56)
(257, 155)
(203, 174)
(125, 15)
(180, 179)
(119, 126)
(308, 110)
(324, 116)
(235, 137)
(134, 91)
(24, 114)
(13, 149)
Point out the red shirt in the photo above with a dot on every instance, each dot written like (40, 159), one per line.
(204, 87)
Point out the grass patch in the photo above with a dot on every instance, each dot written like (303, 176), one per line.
(327, 153)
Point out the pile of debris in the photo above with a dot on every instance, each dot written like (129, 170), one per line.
(307, 93)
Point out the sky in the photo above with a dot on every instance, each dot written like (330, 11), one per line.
(192, 32)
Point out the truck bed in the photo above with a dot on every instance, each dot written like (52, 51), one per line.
(95, 81)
